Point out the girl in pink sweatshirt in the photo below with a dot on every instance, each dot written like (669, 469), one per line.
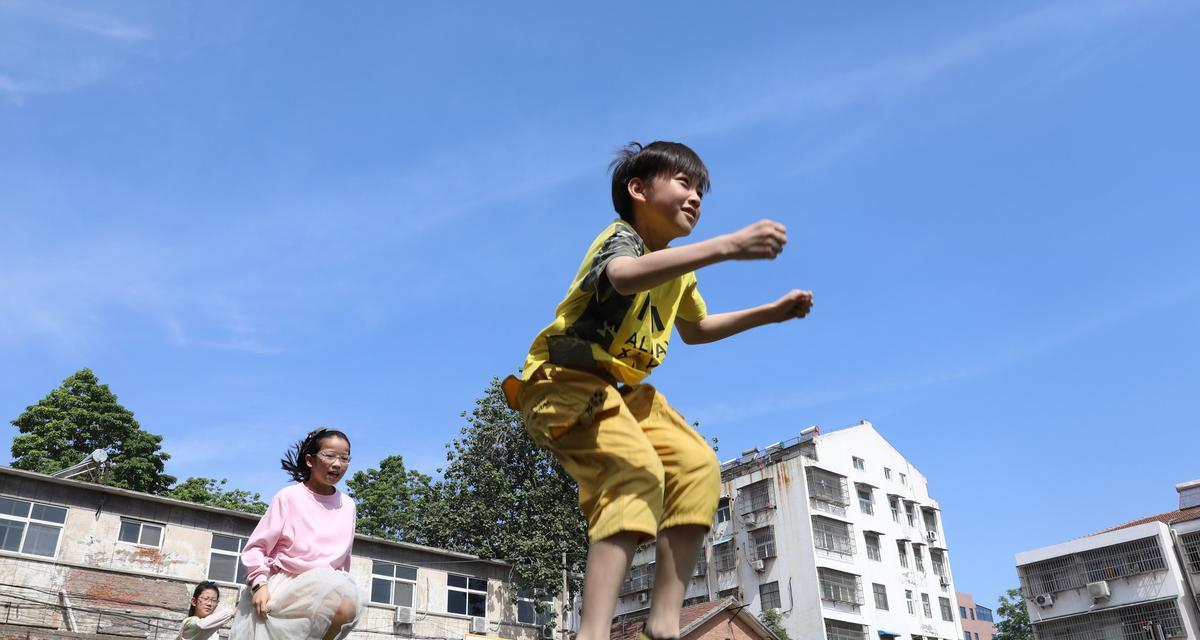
(299, 554)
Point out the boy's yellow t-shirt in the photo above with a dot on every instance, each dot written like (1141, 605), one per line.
(596, 327)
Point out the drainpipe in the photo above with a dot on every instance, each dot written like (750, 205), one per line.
(66, 604)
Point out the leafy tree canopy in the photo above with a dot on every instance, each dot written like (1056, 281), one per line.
(212, 492)
(79, 417)
(389, 499)
(1014, 618)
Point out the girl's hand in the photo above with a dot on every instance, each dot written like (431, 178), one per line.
(261, 598)
(794, 304)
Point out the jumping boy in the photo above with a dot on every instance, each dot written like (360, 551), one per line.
(642, 471)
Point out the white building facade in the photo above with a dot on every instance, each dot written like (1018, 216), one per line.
(835, 532)
(1138, 581)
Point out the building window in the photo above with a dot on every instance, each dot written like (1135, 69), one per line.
(873, 546)
(30, 527)
(859, 463)
(1191, 549)
(866, 501)
(466, 596)
(900, 549)
(887, 473)
(701, 564)
(962, 612)
(908, 600)
(930, 520)
(768, 596)
(894, 502)
(966, 635)
(146, 534)
(640, 578)
(527, 609)
(763, 540)
(723, 555)
(838, 586)
(908, 513)
(756, 497)
(833, 536)
(394, 583)
(947, 610)
(838, 630)
(918, 559)
(225, 559)
(1105, 563)
(880, 596)
(827, 487)
(939, 566)
(723, 510)
(983, 613)
(903, 479)
(972, 615)
(925, 605)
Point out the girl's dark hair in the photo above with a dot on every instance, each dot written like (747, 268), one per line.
(293, 460)
(648, 162)
(201, 588)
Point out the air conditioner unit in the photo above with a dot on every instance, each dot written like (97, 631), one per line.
(405, 615)
(945, 581)
(931, 536)
(749, 516)
(643, 597)
(547, 633)
(1099, 590)
(759, 565)
(1044, 600)
(478, 625)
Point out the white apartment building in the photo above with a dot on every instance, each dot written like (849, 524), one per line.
(836, 532)
(1136, 581)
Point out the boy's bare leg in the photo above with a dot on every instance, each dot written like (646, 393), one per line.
(607, 562)
(675, 555)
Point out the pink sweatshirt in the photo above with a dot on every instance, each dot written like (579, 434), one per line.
(301, 530)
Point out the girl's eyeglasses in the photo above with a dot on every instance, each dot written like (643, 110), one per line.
(330, 456)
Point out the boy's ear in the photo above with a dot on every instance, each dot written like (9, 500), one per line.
(637, 189)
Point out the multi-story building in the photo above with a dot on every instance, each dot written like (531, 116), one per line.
(977, 620)
(81, 559)
(836, 532)
(1135, 581)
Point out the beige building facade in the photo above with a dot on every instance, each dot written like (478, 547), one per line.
(79, 559)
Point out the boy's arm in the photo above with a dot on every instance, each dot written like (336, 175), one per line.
(793, 304)
(761, 240)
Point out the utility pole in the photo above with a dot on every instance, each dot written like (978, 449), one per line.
(566, 604)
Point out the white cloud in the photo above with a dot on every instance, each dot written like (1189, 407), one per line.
(96, 24)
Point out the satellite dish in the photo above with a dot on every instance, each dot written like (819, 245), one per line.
(99, 455)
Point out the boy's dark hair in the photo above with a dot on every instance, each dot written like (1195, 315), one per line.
(293, 460)
(201, 588)
(648, 162)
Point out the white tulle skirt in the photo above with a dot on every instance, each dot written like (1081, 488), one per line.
(300, 608)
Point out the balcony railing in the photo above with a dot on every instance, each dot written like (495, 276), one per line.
(1128, 623)
(1106, 563)
(840, 587)
(837, 630)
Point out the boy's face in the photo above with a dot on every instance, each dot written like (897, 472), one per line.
(667, 207)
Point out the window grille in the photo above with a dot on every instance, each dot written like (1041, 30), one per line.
(701, 566)
(881, 601)
(1127, 623)
(837, 586)
(1191, 549)
(838, 630)
(833, 536)
(768, 596)
(640, 578)
(723, 555)
(764, 542)
(947, 612)
(824, 486)
(1106, 563)
(756, 497)
(873, 547)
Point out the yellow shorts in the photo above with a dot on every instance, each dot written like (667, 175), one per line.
(639, 465)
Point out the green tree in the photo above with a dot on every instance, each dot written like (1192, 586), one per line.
(1014, 618)
(79, 417)
(503, 497)
(212, 492)
(389, 499)
(773, 620)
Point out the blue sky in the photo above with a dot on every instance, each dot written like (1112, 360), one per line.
(253, 219)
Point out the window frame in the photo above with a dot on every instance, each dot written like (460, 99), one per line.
(28, 520)
(880, 592)
(392, 580)
(468, 591)
(764, 548)
(239, 571)
(874, 552)
(540, 620)
(858, 463)
(926, 605)
(946, 610)
(725, 561)
(908, 599)
(763, 592)
(142, 524)
(724, 513)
